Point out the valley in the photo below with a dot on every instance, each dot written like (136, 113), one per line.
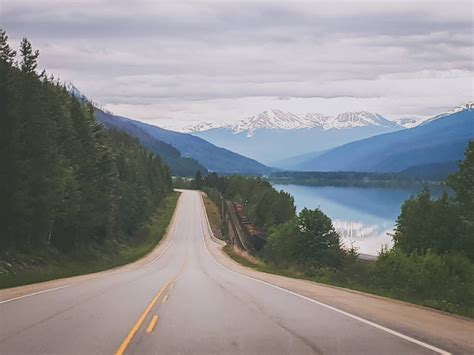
(234, 177)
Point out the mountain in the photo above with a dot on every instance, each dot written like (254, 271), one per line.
(440, 141)
(410, 122)
(276, 119)
(464, 107)
(178, 165)
(434, 171)
(273, 136)
(74, 91)
(208, 155)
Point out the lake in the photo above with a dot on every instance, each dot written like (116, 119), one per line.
(362, 216)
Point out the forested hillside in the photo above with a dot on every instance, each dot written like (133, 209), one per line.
(66, 183)
(212, 157)
(179, 165)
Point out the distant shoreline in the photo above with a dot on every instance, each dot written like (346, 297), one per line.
(369, 184)
(350, 179)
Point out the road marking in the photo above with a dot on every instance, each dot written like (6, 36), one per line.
(140, 320)
(172, 285)
(36, 293)
(165, 298)
(152, 324)
(108, 273)
(178, 223)
(353, 316)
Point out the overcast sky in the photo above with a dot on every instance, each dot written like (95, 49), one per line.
(170, 62)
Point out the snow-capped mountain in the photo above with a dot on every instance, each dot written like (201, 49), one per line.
(467, 106)
(275, 135)
(276, 119)
(410, 122)
(430, 149)
(74, 91)
(357, 119)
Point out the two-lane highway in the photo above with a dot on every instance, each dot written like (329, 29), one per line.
(186, 302)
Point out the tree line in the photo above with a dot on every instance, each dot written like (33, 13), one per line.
(444, 225)
(65, 181)
(431, 263)
(265, 206)
(307, 239)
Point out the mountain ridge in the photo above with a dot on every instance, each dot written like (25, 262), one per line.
(277, 119)
(206, 154)
(440, 141)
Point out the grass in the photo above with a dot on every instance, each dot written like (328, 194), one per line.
(344, 279)
(50, 264)
(241, 259)
(214, 216)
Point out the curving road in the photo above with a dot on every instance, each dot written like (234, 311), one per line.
(185, 301)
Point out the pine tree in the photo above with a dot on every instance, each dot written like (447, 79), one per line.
(65, 181)
(198, 181)
(8, 122)
(7, 54)
(28, 57)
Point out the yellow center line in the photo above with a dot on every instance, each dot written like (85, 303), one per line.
(126, 342)
(140, 320)
(165, 298)
(152, 324)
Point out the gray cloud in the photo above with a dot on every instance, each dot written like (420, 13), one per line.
(142, 55)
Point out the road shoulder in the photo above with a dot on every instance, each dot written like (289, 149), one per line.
(10, 294)
(434, 327)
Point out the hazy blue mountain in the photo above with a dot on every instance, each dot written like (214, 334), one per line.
(434, 171)
(179, 166)
(208, 155)
(293, 162)
(272, 145)
(442, 140)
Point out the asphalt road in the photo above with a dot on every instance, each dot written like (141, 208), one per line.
(186, 302)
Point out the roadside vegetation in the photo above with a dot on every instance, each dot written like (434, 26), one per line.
(431, 263)
(70, 190)
(24, 267)
(214, 215)
(265, 206)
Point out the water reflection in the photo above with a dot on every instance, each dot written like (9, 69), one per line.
(364, 217)
(366, 238)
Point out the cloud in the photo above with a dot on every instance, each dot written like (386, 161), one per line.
(223, 60)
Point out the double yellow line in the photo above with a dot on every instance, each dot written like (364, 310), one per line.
(126, 342)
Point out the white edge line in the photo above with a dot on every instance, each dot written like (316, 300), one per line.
(36, 293)
(108, 274)
(353, 316)
(178, 223)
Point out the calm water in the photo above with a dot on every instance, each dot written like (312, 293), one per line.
(362, 216)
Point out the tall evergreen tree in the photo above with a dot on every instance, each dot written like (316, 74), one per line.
(28, 57)
(7, 54)
(65, 182)
(198, 181)
(8, 122)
